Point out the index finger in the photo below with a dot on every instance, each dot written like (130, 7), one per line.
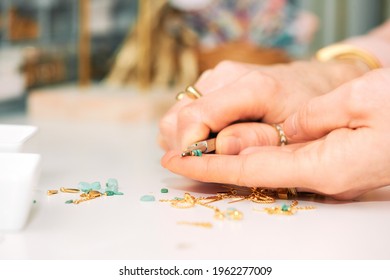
(273, 167)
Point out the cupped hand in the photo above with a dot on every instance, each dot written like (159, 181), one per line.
(341, 146)
(237, 93)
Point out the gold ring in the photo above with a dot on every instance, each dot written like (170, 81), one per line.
(191, 92)
(282, 136)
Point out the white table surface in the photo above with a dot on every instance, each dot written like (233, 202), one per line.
(123, 227)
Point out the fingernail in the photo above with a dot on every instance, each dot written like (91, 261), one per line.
(228, 145)
(289, 126)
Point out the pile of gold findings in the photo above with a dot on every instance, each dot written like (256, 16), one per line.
(256, 195)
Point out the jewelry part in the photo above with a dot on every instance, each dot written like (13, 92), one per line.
(191, 92)
(348, 52)
(69, 190)
(201, 147)
(282, 136)
(51, 192)
(89, 191)
(197, 224)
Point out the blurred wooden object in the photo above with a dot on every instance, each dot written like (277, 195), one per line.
(84, 43)
(97, 104)
(21, 27)
(241, 52)
(159, 51)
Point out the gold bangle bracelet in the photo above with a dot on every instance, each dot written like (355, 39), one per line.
(347, 52)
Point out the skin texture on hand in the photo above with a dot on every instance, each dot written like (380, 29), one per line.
(340, 146)
(243, 95)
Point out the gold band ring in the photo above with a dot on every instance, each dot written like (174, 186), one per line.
(191, 92)
(283, 141)
(282, 136)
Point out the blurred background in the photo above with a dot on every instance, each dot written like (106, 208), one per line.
(124, 60)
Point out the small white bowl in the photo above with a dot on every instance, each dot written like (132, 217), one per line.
(19, 174)
(13, 137)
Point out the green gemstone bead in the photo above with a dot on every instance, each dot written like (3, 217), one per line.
(109, 193)
(69, 201)
(148, 198)
(84, 186)
(285, 207)
(112, 184)
(96, 186)
(197, 153)
(164, 190)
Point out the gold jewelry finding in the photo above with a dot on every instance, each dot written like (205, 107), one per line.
(197, 224)
(69, 190)
(51, 192)
(347, 52)
(282, 136)
(191, 92)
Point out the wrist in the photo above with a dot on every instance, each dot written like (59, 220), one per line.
(325, 76)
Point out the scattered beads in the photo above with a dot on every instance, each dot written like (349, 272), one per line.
(147, 198)
(90, 191)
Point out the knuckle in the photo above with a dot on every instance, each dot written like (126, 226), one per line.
(358, 98)
(304, 116)
(165, 124)
(264, 83)
(226, 66)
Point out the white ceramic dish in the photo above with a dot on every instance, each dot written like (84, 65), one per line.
(13, 137)
(19, 174)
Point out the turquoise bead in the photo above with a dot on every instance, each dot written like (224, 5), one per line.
(84, 186)
(109, 193)
(148, 198)
(164, 190)
(285, 207)
(112, 184)
(197, 153)
(96, 186)
(69, 201)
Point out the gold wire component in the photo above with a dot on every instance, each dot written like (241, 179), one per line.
(94, 194)
(69, 190)
(294, 203)
(197, 224)
(51, 192)
(219, 215)
(279, 211)
(234, 215)
(309, 207)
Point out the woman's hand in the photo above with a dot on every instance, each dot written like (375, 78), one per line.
(237, 92)
(341, 146)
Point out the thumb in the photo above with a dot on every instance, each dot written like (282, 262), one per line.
(323, 114)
